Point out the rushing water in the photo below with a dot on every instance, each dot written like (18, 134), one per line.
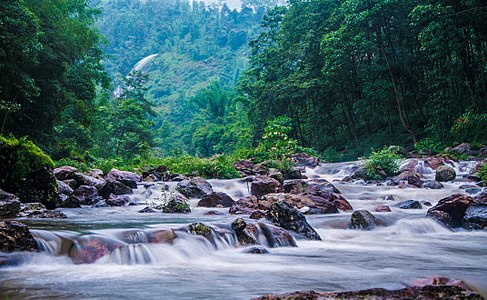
(410, 247)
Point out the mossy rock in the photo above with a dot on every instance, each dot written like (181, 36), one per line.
(200, 229)
(18, 158)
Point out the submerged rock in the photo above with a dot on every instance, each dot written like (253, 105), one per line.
(410, 204)
(382, 208)
(287, 217)
(15, 236)
(476, 217)
(88, 249)
(363, 219)
(256, 250)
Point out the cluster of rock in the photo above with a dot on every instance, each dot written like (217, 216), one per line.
(436, 288)
(461, 210)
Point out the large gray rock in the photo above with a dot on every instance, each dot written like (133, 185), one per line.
(262, 185)
(445, 173)
(85, 194)
(9, 205)
(194, 188)
(15, 236)
(128, 178)
(82, 179)
(64, 172)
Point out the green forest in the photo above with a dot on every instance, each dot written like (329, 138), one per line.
(332, 78)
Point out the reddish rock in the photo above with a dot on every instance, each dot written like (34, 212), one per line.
(434, 162)
(162, 236)
(305, 160)
(454, 206)
(382, 208)
(438, 280)
(410, 166)
(257, 215)
(263, 185)
(88, 249)
(244, 167)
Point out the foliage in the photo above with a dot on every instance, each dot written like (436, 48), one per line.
(429, 144)
(19, 157)
(276, 143)
(482, 173)
(382, 163)
(470, 127)
(351, 72)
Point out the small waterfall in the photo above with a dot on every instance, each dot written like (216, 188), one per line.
(422, 169)
(154, 245)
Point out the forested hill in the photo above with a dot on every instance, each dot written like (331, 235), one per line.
(354, 74)
(198, 45)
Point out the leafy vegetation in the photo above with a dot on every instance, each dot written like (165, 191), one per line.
(483, 173)
(382, 163)
(19, 157)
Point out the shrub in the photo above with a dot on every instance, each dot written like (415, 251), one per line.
(276, 143)
(19, 157)
(382, 163)
(483, 173)
(428, 144)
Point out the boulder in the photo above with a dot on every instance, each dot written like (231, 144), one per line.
(39, 211)
(445, 173)
(452, 209)
(15, 236)
(40, 186)
(244, 167)
(96, 173)
(118, 200)
(9, 205)
(283, 215)
(410, 166)
(64, 172)
(432, 184)
(82, 179)
(295, 173)
(85, 194)
(463, 148)
(99, 202)
(363, 219)
(305, 160)
(88, 249)
(433, 162)
(296, 186)
(63, 188)
(411, 177)
(410, 204)
(128, 178)
(71, 183)
(244, 237)
(275, 236)
(216, 199)
(201, 230)
(70, 202)
(194, 187)
(263, 185)
(475, 217)
(247, 205)
(162, 236)
(481, 197)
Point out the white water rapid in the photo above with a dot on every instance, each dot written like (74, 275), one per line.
(191, 267)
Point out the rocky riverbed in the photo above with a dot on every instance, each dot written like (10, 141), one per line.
(120, 235)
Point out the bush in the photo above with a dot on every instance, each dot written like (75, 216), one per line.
(483, 173)
(382, 163)
(19, 157)
(428, 144)
(276, 143)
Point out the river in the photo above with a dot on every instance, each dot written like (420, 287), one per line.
(392, 257)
